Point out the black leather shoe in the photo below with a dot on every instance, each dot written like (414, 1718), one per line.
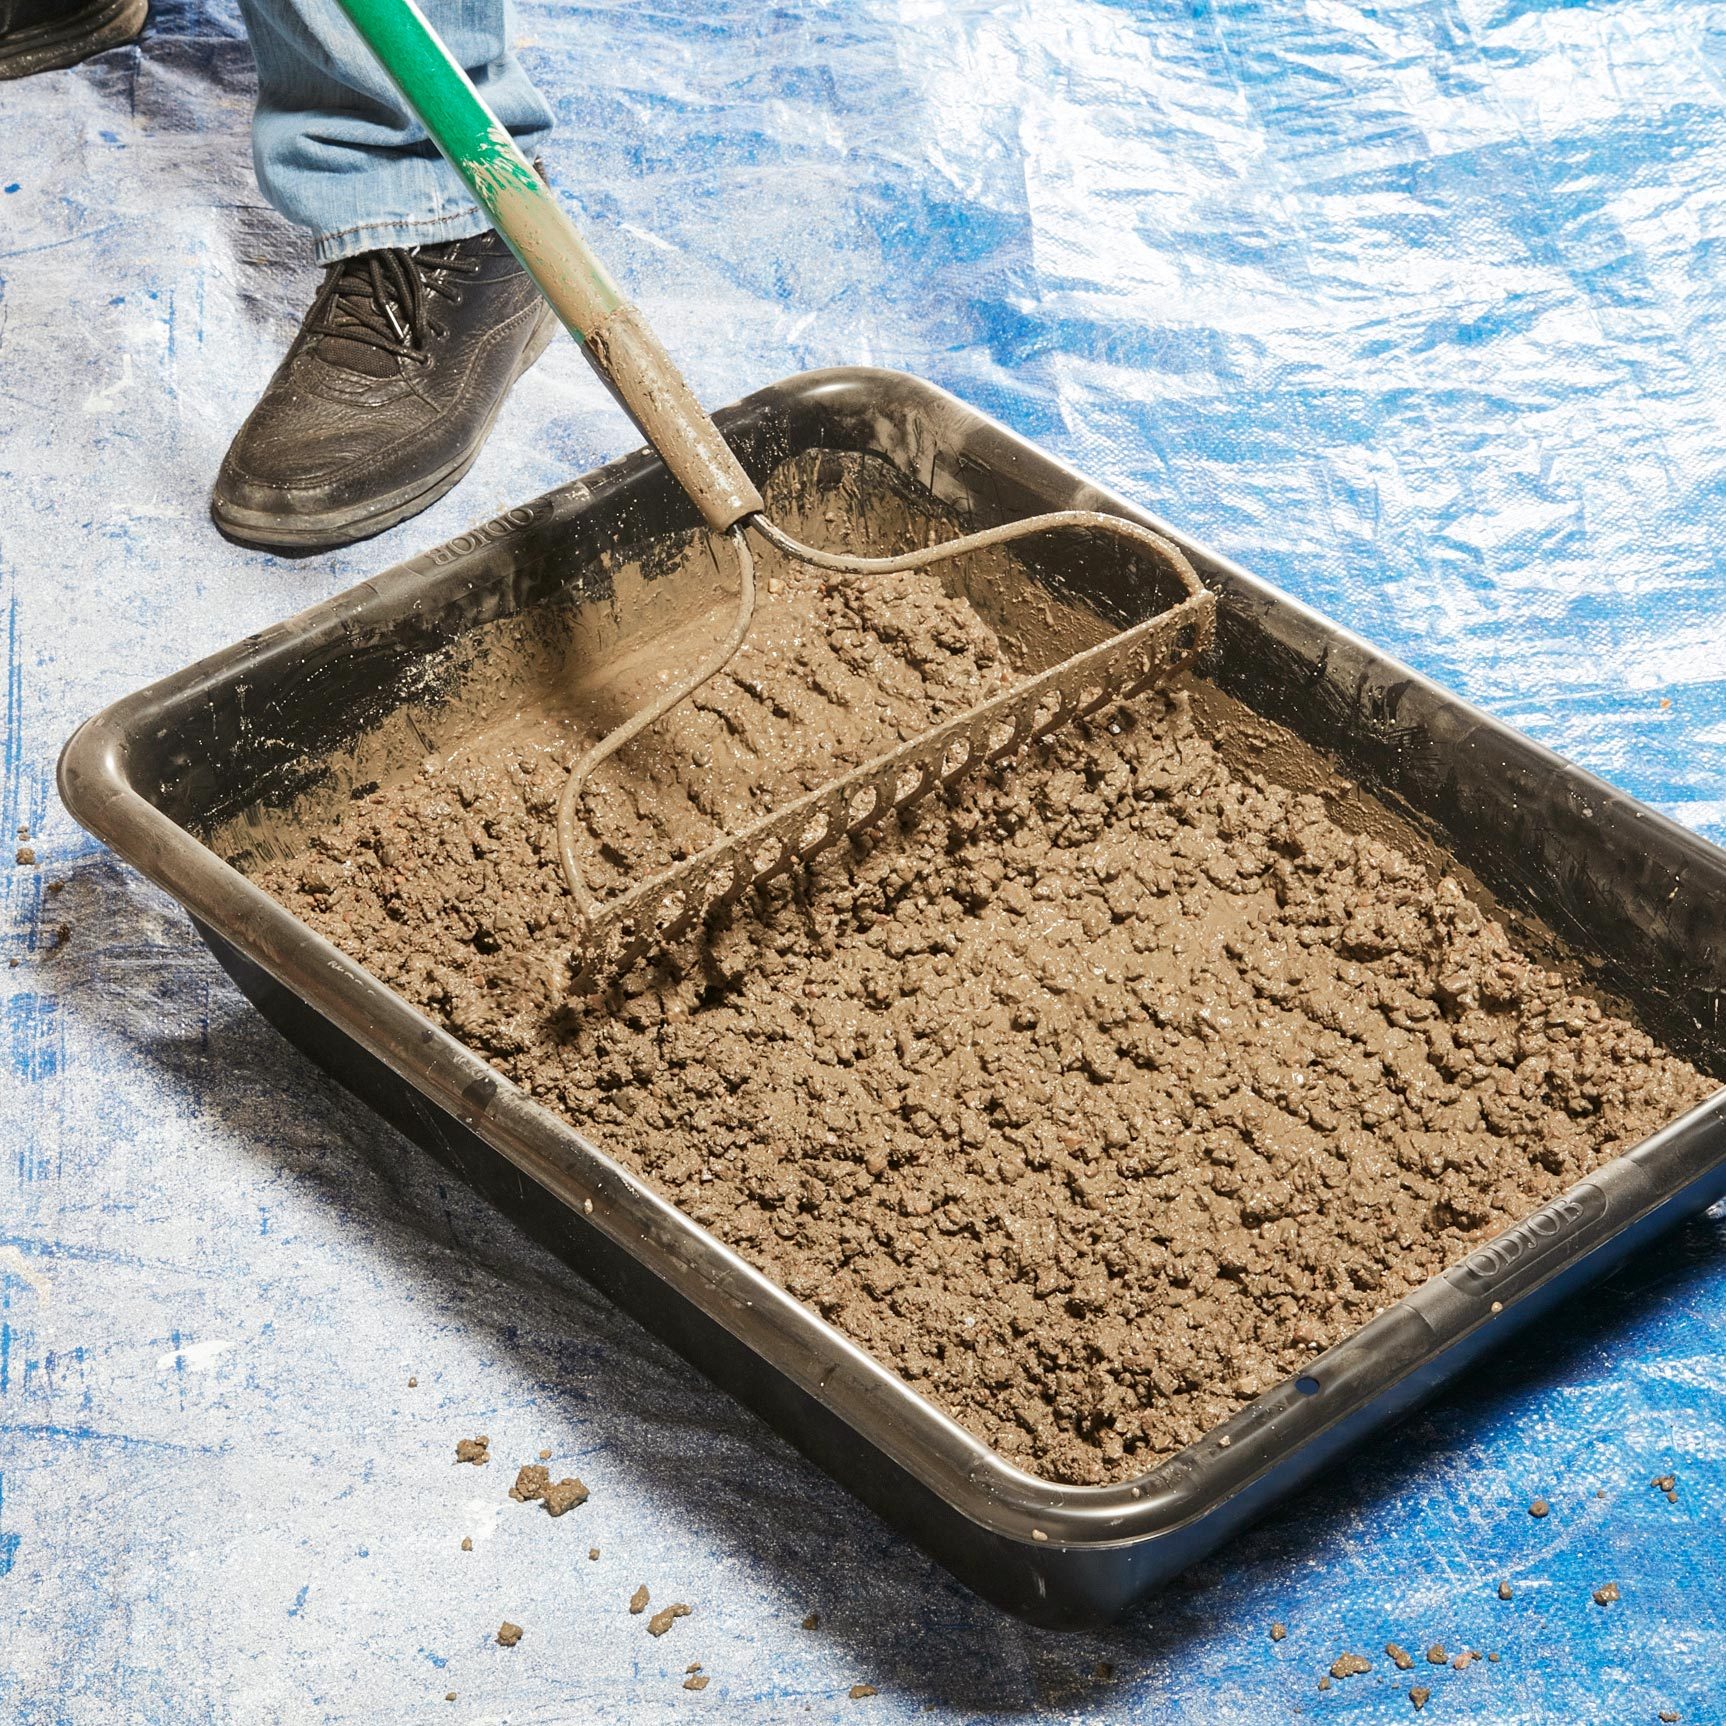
(386, 396)
(41, 35)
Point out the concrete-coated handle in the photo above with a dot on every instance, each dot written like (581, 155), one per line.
(534, 226)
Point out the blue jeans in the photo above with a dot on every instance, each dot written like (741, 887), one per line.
(336, 149)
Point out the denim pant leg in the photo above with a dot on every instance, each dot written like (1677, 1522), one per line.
(335, 147)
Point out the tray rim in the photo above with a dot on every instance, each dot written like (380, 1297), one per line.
(963, 1470)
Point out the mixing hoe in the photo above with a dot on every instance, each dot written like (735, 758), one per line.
(608, 936)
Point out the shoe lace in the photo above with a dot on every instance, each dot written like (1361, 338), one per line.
(384, 299)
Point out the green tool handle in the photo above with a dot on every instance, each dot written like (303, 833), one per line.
(624, 351)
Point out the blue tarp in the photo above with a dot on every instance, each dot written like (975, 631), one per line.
(1417, 309)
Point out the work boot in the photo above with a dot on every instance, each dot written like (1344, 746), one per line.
(385, 397)
(42, 35)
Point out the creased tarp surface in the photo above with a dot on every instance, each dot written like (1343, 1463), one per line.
(1415, 309)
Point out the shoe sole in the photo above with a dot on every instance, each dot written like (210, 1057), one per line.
(49, 47)
(264, 532)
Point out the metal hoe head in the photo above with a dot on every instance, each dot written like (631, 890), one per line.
(612, 935)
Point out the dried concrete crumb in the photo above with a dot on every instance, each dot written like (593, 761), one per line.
(533, 1480)
(545, 1456)
(693, 1666)
(508, 1634)
(1349, 1666)
(1539, 1507)
(663, 1620)
(1668, 1715)
(593, 1552)
(1400, 1656)
(413, 1384)
(26, 855)
(1672, 1498)
(1493, 1658)
(1279, 1631)
(695, 1681)
(1436, 1655)
(530, 1482)
(1606, 1594)
(449, 1696)
(563, 1495)
(474, 1450)
(1418, 1695)
(1463, 1661)
(467, 1543)
(859, 1691)
(1505, 1591)
(813, 1621)
(638, 1600)
(1324, 1684)
(1665, 1482)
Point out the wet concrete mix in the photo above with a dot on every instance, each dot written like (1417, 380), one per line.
(1095, 1097)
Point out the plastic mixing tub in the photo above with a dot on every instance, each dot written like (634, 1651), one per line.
(384, 674)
